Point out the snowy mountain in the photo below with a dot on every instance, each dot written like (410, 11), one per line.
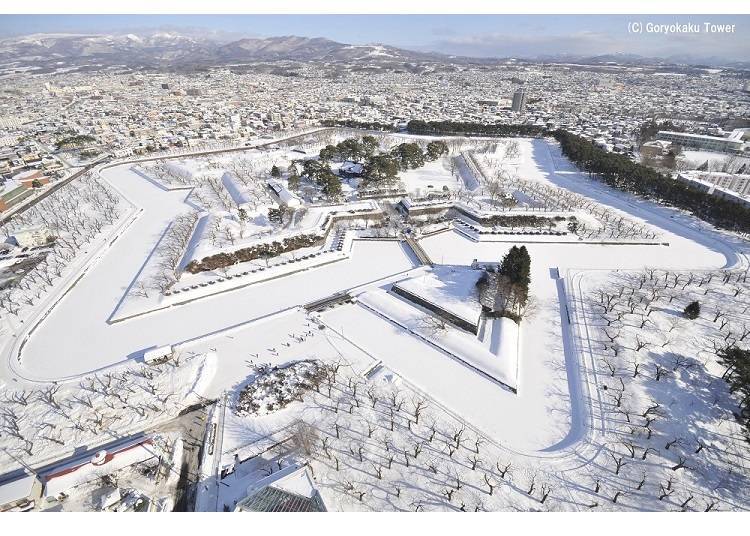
(173, 49)
(199, 49)
(637, 60)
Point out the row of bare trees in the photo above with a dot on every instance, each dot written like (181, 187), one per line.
(649, 364)
(74, 215)
(374, 439)
(36, 423)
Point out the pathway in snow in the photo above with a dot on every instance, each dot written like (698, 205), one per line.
(76, 339)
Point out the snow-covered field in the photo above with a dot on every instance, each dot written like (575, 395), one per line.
(452, 287)
(411, 415)
(694, 159)
(50, 421)
(432, 177)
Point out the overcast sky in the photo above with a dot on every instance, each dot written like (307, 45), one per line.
(471, 35)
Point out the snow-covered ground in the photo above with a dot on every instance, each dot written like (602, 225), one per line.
(51, 421)
(432, 177)
(562, 431)
(409, 321)
(693, 159)
(453, 288)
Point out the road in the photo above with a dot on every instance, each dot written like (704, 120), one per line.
(83, 454)
(75, 339)
(192, 428)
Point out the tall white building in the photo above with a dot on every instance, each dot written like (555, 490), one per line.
(519, 100)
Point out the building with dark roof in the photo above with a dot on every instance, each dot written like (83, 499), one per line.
(290, 490)
(271, 499)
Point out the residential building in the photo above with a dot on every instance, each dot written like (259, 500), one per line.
(732, 144)
(519, 100)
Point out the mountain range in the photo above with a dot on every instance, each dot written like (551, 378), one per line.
(176, 50)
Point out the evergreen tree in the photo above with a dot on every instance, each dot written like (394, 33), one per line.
(408, 155)
(328, 153)
(505, 292)
(331, 184)
(436, 149)
(275, 171)
(315, 169)
(516, 265)
(472, 129)
(737, 375)
(293, 181)
(369, 145)
(692, 310)
(350, 149)
(382, 168)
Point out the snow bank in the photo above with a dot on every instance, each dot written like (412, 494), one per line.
(462, 346)
(180, 169)
(236, 192)
(451, 288)
(505, 334)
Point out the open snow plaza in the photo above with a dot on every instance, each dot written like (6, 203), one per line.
(249, 273)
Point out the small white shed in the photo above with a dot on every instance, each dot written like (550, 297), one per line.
(156, 354)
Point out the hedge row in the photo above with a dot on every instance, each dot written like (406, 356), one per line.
(258, 251)
(448, 128)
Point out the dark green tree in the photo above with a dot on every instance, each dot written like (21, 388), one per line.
(314, 169)
(331, 185)
(369, 145)
(408, 155)
(293, 180)
(350, 149)
(736, 360)
(381, 169)
(436, 149)
(692, 310)
(328, 153)
(516, 267)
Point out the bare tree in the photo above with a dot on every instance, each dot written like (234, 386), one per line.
(304, 437)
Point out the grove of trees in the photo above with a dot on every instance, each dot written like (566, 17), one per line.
(737, 375)
(269, 249)
(505, 292)
(364, 125)
(380, 168)
(618, 171)
(468, 129)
